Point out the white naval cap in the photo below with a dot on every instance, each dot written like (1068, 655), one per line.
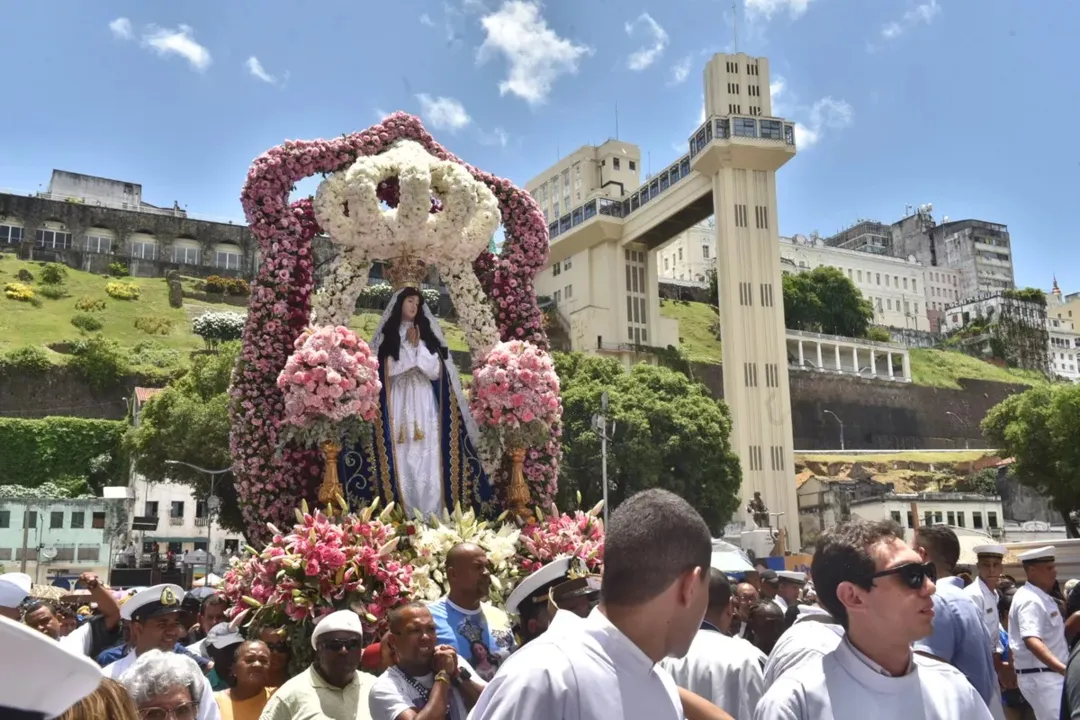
(792, 576)
(1042, 554)
(38, 677)
(534, 588)
(14, 587)
(340, 621)
(152, 601)
(997, 550)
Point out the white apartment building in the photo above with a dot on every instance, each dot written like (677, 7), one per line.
(895, 287)
(960, 510)
(609, 170)
(1064, 348)
(690, 254)
(57, 540)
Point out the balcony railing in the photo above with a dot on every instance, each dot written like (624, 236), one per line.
(175, 521)
(201, 522)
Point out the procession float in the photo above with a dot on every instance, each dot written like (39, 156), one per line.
(360, 462)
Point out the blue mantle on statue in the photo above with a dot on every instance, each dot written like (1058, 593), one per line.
(367, 469)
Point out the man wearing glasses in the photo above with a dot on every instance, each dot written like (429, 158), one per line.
(333, 687)
(880, 590)
(429, 679)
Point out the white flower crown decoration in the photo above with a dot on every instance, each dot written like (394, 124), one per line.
(347, 206)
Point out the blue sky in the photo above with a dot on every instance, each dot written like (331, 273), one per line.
(961, 104)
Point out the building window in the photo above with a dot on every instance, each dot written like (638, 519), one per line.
(78, 520)
(960, 518)
(761, 217)
(227, 260)
(705, 251)
(5, 519)
(910, 519)
(558, 296)
(569, 291)
(97, 521)
(150, 508)
(976, 520)
(54, 239)
(186, 255)
(98, 244)
(680, 254)
(144, 250)
(951, 518)
(772, 129)
(744, 127)
(878, 278)
(937, 517)
(56, 520)
(200, 509)
(556, 269)
(666, 261)
(633, 165)
(991, 520)
(615, 163)
(177, 509)
(895, 516)
(10, 235)
(566, 264)
(30, 519)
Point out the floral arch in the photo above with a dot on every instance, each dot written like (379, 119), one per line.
(271, 482)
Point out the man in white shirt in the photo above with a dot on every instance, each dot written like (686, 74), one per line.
(879, 589)
(724, 670)
(983, 592)
(428, 678)
(156, 618)
(653, 596)
(1037, 635)
(14, 588)
(813, 634)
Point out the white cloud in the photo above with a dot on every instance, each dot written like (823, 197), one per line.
(824, 116)
(645, 56)
(166, 41)
(256, 69)
(680, 71)
(121, 28)
(536, 54)
(766, 9)
(443, 113)
(498, 136)
(922, 14)
(425, 19)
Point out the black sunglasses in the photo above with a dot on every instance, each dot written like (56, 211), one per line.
(339, 645)
(914, 575)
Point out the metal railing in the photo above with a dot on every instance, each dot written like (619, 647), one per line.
(175, 521)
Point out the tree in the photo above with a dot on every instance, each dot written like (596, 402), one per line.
(1040, 429)
(825, 300)
(189, 422)
(670, 433)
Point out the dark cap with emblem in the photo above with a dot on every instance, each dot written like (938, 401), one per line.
(153, 601)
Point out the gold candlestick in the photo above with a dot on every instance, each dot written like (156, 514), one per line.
(518, 496)
(331, 488)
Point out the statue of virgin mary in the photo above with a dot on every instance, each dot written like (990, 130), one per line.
(422, 453)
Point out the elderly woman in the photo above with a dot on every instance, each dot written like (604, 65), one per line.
(249, 673)
(165, 686)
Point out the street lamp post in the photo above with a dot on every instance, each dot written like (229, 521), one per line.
(600, 427)
(212, 503)
(963, 426)
(830, 412)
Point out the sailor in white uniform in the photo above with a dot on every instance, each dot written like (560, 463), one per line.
(1037, 635)
(983, 592)
(533, 604)
(724, 670)
(38, 678)
(814, 634)
(653, 598)
(156, 618)
(14, 588)
(879, 588)
(790, 586)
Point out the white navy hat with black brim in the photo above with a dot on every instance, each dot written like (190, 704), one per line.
(1043, 554)
(38, 677)
(990, 549)
(533, 590)
(153, 601)
(14, 587)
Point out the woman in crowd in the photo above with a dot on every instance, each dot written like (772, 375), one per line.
(165, 686)
(248, 680)
(279, 655)
(109, 702)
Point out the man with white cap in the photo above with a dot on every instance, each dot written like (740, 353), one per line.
(156, 622)
(983, 591)
(787, 592)
(14, 588)
(1037, 635)
(333, 687)
(30, 665)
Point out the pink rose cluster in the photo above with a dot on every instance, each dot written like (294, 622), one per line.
(332, 375)
(271, 484)
(579, 535)
(323, 565)
(516, 391)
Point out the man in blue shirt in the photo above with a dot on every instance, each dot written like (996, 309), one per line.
(958, 637)
(478, 632)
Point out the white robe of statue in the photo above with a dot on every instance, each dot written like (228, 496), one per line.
(414, 417)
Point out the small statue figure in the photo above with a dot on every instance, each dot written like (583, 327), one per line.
(176, 290)
(759, 511)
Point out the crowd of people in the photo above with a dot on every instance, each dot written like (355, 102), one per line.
(877, 627)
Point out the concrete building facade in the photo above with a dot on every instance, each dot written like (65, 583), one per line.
(961, 510)
(59, 539)
(88, 222)
(613, 241)
(690, 255)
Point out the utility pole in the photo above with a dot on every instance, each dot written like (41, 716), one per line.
(830, 412)
(212, 504)
(600, 427)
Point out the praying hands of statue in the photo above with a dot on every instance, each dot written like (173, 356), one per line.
(413, 335)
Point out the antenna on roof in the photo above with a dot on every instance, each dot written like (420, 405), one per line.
(735, 26)
(616, 119)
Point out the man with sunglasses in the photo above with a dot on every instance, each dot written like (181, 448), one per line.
(958, 637)
(880, 590)
(1037, 635)
(428, 681)
(332, 687)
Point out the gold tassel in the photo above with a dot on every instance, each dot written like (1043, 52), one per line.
(401, 435)
(418, 434)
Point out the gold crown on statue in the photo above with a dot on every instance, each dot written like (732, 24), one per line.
(406, 271)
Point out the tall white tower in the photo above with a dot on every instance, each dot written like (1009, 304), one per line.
(741, 146)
